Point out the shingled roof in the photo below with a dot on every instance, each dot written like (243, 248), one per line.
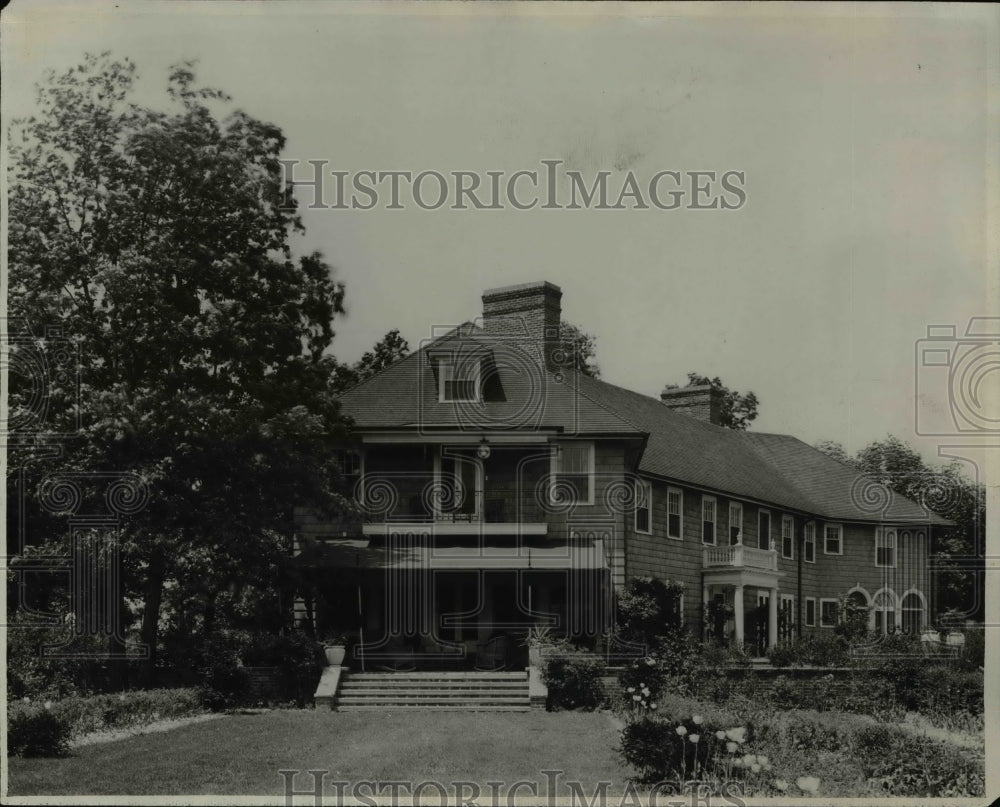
(775, 469)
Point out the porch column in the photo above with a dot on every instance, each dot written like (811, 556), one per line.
(738, 613)
(772, 618)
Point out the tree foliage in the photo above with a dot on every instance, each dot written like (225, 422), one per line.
(581, 347)
(738, 410)
(387, 351)
(155, 238)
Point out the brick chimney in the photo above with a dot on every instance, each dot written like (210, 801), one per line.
(702, 402)
(528, 314)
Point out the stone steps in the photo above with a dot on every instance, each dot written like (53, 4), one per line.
(470, 691)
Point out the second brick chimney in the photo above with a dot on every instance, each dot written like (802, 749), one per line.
(529, 311)
(703, 402)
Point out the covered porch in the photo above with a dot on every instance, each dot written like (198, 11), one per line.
(732, 576)
(423, 602)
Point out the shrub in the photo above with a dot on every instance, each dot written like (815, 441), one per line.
(648, 608)
(87, 714)
(224, 686)
(917, 766)
(299, 660)
(574, 681)
(34, 731)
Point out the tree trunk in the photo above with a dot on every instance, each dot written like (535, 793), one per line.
(151, 619)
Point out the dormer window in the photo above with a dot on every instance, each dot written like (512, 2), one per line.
(458, 382)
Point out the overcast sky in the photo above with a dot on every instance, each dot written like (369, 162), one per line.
(865, 138)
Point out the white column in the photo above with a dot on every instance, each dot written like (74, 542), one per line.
(772, 618)
(738, 613)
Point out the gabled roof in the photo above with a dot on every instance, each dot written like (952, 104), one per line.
(405, 394)
(769, 468)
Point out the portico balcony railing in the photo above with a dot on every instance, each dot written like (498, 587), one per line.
(739, 556)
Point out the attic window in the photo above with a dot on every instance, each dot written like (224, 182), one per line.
(458, 382)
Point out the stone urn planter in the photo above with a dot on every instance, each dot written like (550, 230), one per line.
(335, 654)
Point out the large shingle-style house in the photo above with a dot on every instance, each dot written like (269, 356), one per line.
(499, 488)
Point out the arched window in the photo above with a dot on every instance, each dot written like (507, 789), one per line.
(885, 612)
(912, 609)
(857, 599)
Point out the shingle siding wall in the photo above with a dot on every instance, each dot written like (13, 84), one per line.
(831, 576)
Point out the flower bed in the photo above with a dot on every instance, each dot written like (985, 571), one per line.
(748, 746)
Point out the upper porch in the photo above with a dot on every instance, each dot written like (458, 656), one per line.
(481, 487)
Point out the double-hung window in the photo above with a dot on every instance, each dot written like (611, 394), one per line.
(885, 547)
(735, 522)
(833, 539)
(675, 508)
(787, 537)
(573, 472)
(764, 529)
(458, 382)
(643, 506)
(809, 545)
(708, 519)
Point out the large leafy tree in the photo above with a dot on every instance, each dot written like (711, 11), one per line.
(157, 240)
(738, 409)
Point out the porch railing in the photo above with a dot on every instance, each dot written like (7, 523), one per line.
(492, 505)
(741, 557)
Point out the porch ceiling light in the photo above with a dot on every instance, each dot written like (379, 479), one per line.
(483, 451)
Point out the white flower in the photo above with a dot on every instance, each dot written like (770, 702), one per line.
(681, 730)
(738, 735)
(809, 784)
(720, 735)
(781, 784)
(694, 738)
(697, 720)
(636, 698)
(762, 759)
(652, 706)
(749, 759)
(731, 747)
(755, 768)
(630, 689)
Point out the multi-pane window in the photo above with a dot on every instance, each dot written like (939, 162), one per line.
(349, 462)
(674, 508)
(574, 472)
(827, 613)
(811, 612)
(458, 383)
(787, 537)
(885, 548)
(912, 609)
(764, 529)
(809, 544)
(708, 519)
(833, 539)
(643, 506)
(735, 522)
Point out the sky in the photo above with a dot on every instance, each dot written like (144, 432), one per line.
(867, 137)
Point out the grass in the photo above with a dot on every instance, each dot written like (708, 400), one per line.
(241, 754)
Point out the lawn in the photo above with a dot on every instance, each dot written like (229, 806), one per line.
(241, 754)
